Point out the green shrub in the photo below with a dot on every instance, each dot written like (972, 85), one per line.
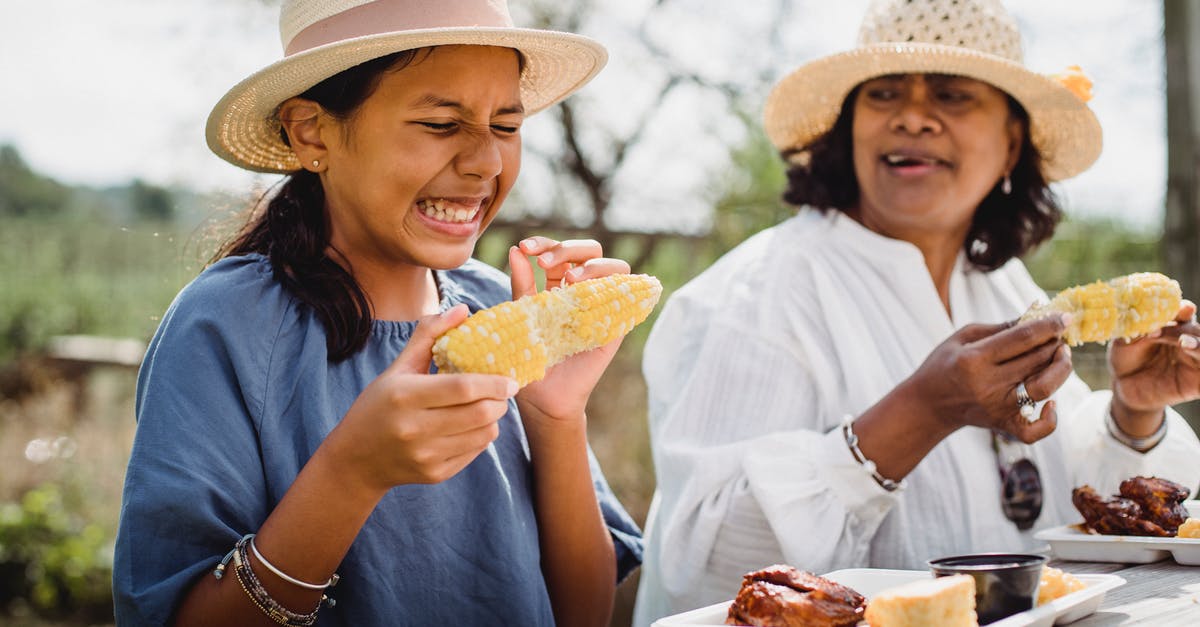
(51, 560)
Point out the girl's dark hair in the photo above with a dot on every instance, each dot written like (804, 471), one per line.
(293, 230)
(821, 175)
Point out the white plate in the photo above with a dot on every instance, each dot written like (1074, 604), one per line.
(1070, 543)
(869, 581)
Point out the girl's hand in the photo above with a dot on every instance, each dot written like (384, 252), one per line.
(408, 426)
(564, 392)
(1160, 369)
(971, 378)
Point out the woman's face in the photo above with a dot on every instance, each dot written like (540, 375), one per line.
(422, 166)
(927, 149)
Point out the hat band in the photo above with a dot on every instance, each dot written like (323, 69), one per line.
(386, 16)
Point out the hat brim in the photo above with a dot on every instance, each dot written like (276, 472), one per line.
(242, 130)
(805, 103)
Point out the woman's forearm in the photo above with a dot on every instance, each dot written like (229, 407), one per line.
(578, 558)
(306, 537)
(899, 431)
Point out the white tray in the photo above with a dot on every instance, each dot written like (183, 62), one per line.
(869, 581)
(1069, 542)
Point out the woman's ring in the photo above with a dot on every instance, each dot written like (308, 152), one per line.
(1025, 404)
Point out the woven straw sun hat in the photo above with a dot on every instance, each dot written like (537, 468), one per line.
(324, 37)
(973, 38)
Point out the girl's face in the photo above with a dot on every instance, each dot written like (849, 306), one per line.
(928, 148)
(422, 166)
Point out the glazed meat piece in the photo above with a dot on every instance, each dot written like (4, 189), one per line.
(1112, 516)
(1117, 515)
(1161, 500)
(782, 596)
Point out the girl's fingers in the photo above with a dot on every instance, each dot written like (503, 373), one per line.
(445, 391)
(523, 281)
(418, 353)
(595, 268)
(569, 252)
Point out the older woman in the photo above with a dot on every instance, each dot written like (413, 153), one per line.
(288, 423)
(852, 397)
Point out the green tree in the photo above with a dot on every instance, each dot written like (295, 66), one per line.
(23, 192)
(151, 202)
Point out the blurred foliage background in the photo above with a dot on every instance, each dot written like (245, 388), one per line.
(103, 264)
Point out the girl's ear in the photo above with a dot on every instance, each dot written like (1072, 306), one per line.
(302, 121)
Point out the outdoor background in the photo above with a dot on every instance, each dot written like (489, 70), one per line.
(110, 202)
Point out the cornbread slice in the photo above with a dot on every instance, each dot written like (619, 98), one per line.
(1055, 583)
(1189, 529)
(943, 601)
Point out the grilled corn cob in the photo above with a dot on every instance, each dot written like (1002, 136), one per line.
(1125, 307)
(524, 337)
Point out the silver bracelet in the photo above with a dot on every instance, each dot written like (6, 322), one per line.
(1140, 445)
(852, 444)
(288, 578)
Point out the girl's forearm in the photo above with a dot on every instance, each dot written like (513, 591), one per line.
(578, 558)
(306, 537)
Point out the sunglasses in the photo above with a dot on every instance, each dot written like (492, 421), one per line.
(1021, 491)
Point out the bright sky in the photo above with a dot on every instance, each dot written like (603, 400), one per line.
(103, 92)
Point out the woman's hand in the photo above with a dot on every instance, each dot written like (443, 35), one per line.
(564, 392)
(1160, 369)
(971, 379)
(408, 426)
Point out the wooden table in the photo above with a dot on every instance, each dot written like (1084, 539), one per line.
(1163, 594)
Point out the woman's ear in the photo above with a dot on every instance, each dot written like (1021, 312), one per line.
(301, 119)
(1016, 137)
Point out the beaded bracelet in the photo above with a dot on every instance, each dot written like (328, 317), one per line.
(1140, 445)
(852, 444)
(258, 593)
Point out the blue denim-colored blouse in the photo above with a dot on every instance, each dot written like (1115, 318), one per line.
(236, 393)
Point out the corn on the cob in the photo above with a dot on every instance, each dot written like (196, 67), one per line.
(1125, 307)
(524, 337)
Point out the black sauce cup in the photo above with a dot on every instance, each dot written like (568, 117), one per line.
(1005, 583)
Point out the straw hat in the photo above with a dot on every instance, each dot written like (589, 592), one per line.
(324, 37)
(973, 38)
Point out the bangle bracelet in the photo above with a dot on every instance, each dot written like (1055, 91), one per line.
(288, 578)
(1140, 445)
(263, 599)
(852, 444)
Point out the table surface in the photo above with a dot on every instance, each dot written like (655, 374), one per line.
(1163, 594)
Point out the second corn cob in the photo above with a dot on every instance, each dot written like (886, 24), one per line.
(1125, 307)
(524, 337)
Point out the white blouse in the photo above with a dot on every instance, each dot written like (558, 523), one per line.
(751, 367)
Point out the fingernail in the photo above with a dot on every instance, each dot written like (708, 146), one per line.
(1188, 341)
(527, 243)
(575, 273)
(1066, 319)
(548, 258)
(512, 388)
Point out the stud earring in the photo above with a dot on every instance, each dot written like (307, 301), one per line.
(1006, 185)
(316, 163)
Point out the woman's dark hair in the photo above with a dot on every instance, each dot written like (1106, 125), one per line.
(821, 175)
(292, 229)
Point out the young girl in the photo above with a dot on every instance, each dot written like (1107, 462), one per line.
(288, 426)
